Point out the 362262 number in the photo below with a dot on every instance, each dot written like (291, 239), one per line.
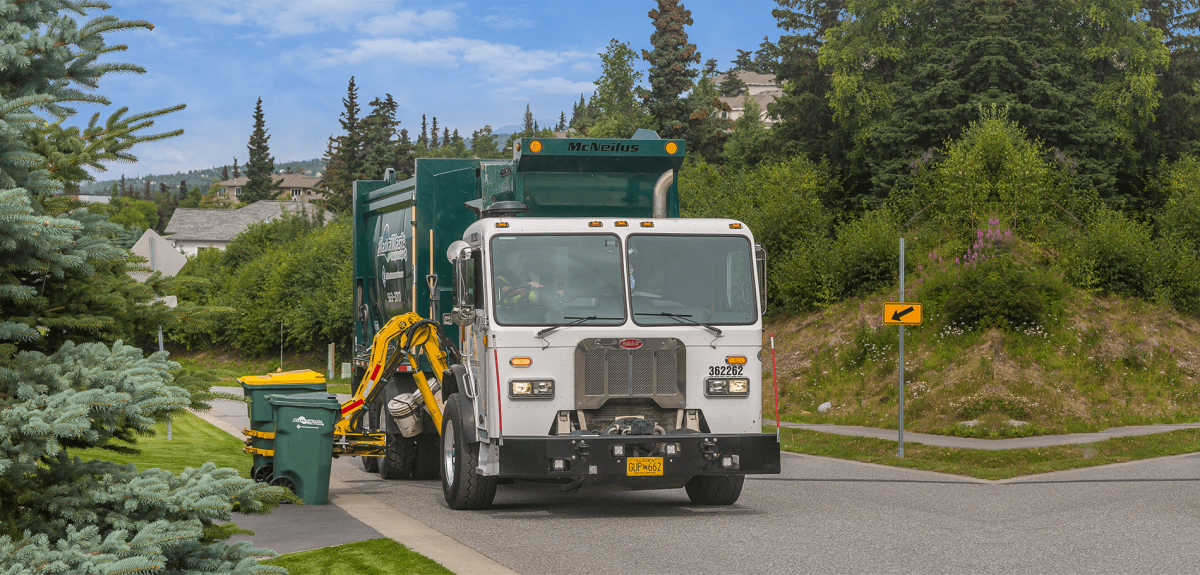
(725, 370)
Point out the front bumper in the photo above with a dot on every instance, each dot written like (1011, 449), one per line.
(591, 456)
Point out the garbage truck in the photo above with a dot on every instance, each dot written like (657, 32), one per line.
(586, 335)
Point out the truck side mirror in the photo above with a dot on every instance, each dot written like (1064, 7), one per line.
(459, 254)
(760, 264)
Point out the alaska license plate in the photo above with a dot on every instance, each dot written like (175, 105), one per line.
(644, 466)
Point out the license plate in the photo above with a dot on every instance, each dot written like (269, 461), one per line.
(644, 466)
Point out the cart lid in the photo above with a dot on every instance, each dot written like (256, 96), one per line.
(283, 378)
(320, 399)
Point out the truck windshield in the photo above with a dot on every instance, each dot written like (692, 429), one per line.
(705, 279)
(556, 279)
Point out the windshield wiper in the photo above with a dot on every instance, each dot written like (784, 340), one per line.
(578, 320)
(685, 317)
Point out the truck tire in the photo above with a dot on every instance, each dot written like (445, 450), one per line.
(462, 485)
(429, 456)
(397, 461)
(715, 489)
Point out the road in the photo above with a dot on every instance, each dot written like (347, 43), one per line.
(831, 516)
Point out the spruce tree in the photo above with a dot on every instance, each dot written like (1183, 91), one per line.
(260, 167)
(433, 134)
(562, 121)
(58, 272)
(446, 136)
(423, 140)
(380, 148)
(236, 172)
(670, 73)
(224, 173)
(527, 122)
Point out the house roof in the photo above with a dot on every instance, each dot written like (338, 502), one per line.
(750, 78)
(217, 225)
(281, 180)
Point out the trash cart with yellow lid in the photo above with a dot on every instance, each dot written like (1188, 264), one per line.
(261, 433)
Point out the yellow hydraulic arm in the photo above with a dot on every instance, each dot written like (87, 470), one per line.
(400, 338)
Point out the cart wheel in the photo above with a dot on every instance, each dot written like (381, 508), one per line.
(263, 474)
(283, 481)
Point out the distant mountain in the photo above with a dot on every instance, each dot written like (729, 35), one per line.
(194, 178)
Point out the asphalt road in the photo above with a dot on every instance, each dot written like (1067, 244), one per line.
(830, 516)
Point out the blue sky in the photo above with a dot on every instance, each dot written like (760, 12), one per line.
(468, 63)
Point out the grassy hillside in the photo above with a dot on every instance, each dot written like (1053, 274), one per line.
(1096, 362)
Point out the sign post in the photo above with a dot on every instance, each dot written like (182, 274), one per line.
(901, 313)
(900, 449)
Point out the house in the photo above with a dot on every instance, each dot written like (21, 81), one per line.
(759, 87)
(296, 187)
(193, 229)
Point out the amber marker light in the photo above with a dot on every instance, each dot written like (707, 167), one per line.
(621, 224)
(535, 146)
(594, 224)
(647, 224)
(672, 147)
(502, 224)
(735, 226)
(735, 360)
(520, 362)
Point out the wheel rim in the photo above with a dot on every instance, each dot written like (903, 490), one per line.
(448, 454)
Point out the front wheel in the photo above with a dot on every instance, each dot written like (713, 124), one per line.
(462, 485)
(715, 489)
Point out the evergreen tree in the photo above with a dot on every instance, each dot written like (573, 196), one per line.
(806, 125)
(527, 123)
(424, 139)
(260, 167)
(124, 187)
(618, 113)
(146, 195)
(455, 138)
(484, 144)
(671, 73)
(433, 134)
(707, 125)
(182, 191)
(562, 122)
(61, 279)
(236, 172)
(224, 173)
(732, 84)
(344, 154)
(381, 150)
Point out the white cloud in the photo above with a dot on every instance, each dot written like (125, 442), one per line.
(506, 21)
(286, 17)
(411, 22)
(495, 61)
(557, 85)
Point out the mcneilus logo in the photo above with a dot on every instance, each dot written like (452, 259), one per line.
(601, 147)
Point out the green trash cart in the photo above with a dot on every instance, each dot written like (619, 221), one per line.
(304, 443)
(262, 425)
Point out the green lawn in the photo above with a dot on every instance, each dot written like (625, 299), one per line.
(194, 442)
(991, 464)
(376, 556)
(230, 365)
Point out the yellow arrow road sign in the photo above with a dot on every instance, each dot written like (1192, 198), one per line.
(901, 313)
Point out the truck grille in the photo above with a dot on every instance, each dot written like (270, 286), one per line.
(653, 370)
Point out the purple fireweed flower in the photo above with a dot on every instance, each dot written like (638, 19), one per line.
(1007, 233)
(979, 234)
(955, 260)
(994, 222)
(919, 270)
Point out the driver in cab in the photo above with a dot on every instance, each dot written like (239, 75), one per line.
(515, 283)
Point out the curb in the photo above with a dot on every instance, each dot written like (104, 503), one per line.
(988, 444)
(396, 525)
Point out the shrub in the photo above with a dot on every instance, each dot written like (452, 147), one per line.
(1114, 254)
(991, 285)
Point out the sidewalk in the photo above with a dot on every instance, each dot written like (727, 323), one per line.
(987, 444)
(349, 517)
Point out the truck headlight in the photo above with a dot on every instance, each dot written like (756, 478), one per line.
(723, 386)
(527, 388)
